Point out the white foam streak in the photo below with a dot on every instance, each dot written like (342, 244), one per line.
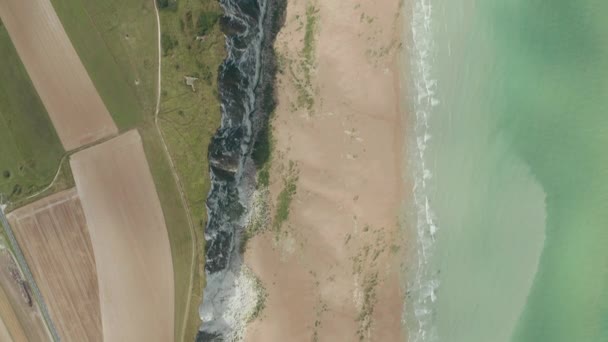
(422, 292)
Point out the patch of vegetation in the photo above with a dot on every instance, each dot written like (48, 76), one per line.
(259, 220)
(264, 177)
(168, 43)
(64, 181)
(312, 16)
(285, 197)
(31, 150)
(167, 4)
(189, 119)
(261, 302)
(262, 153)
(301, 72)
(320, 309)
(370, 283)
(306, 98)
(206, 21)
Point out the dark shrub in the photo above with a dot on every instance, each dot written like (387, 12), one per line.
(206, 21)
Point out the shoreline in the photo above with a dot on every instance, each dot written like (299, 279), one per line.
(331, 262)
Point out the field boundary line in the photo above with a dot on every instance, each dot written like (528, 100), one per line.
(175, 175)
(66, 155)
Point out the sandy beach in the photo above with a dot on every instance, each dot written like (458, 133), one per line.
(331, 271)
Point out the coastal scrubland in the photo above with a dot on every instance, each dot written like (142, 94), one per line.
(190, 114)
(25, 168)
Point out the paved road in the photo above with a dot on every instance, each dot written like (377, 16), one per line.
(28, 276)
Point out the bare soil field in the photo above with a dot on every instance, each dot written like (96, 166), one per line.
(53, 235)
(129, 238)
(332, 269)
(65, 88)
(19, 313)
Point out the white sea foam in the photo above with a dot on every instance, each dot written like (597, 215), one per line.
(423, 281)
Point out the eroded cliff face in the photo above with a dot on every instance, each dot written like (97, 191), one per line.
(246, 82)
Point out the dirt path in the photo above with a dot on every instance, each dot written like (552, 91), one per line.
(52, 183)
(178, 182)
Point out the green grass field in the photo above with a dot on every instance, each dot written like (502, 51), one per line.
(190, 118)
(121, 58)
(31, 151)
(116, 41)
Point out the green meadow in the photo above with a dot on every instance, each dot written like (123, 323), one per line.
(190, 115)
(25, 127)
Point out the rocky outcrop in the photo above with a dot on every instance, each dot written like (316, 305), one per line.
(246, 82)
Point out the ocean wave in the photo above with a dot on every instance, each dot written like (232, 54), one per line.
(423, 282)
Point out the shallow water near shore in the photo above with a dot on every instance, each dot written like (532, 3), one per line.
(511, 181)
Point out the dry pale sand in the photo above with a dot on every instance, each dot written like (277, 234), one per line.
(23, 321)
(53, 235)
(5, 334)
(333, 271)
(75, 108)
(129, 239)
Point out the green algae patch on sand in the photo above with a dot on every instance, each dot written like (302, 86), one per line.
(30, 150)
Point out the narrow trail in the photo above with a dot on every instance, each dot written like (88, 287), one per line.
(175, 177)
(53, 181)
(61, 161)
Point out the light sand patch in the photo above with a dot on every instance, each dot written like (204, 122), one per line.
(68, 94)
(341, 283)
(5, 334)
(53, 235)
(21, 317)
(129, 239)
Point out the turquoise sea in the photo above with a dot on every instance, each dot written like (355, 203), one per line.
(509, 153)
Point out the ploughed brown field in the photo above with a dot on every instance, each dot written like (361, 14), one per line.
(129, 238)
(65, 88)
(20, 316)
(53, 235)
